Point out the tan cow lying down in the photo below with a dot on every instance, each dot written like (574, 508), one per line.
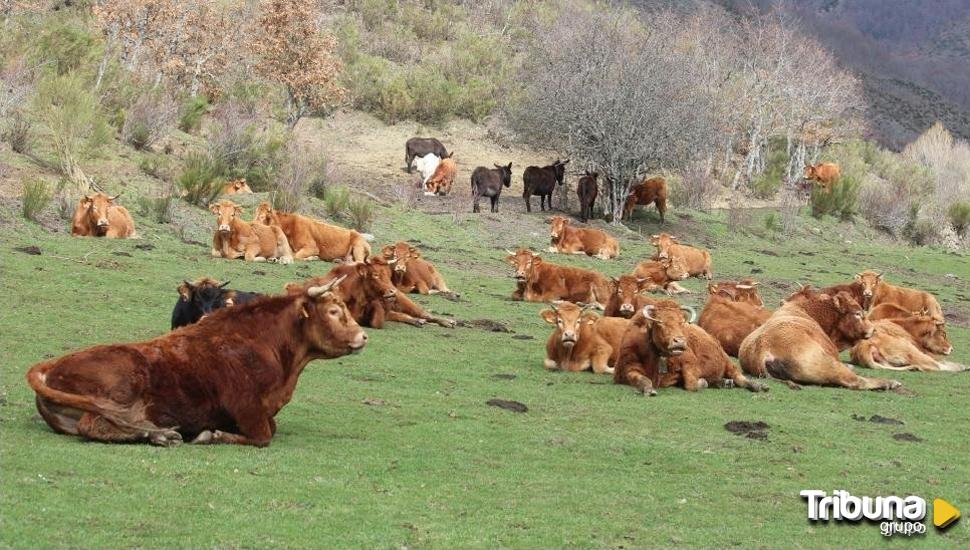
(255, 242)
(236, 187)
(732, 312)
(824, 174)
(927, 332)
(412, 273)
(98, 216)
(877, 291)
(582, 339)
(697, 261)
(661, 349)
(567, 239)
(663, 275)
(800, 342)
(627, 297)
(892, 347)
(650, 190)
(539, 281)
(314, 240)
(443, 178)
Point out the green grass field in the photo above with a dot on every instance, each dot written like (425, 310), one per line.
(396, 447)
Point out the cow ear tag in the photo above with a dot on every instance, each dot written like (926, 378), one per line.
(663, 365)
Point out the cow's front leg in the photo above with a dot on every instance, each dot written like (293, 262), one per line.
(307, 253)
(601, 361)
(550, 364)
(674, 288)
(405, 318)
(257, 432)
(692, 382)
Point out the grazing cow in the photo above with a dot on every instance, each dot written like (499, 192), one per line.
(315, 240)
(732, 312)
(582, 339)
(236, 187)
(202, 297)
(662, 275)
(426, 166)
(255, 242)
(627, 297)
(443, 177)
(892, 347)
(418, 147)
(650, 190)
(587, 189)
(697, 260)
(661, 349)
(219, 381)
(824, 174)
(876, 291)
(98, 216)
(543, 282)
(542, 182)
(412, 273)
(488, 182)
(567, 239)
(800, 342)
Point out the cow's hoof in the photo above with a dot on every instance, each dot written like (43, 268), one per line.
(285, 260)
(166, 438)
(311, 258)
(756, 387)
(702, 384)
(893, 384)
(206, 436)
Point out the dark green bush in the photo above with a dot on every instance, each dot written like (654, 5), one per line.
(842, 201)
(158, 209)
(34, 198)
(191, 112)
(959, 215)
(201, 179)
(766, 185)
(361, 213)
(18, 133)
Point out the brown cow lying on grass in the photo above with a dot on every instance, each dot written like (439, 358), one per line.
(567, 239)
(98, 216)
(627, 297)
(255, 242)
(927, 332)
(661, 349)
(412, 273)
(696, 260)
(800, 342)
(824, 174)
(539, 281)
(221, 380)
(732, 312)
(582, 339)
(662, 275)
(892, 347)
(876, 291)
(314, 240)
(650, 190)
(236, 187)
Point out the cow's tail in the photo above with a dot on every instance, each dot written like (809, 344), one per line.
(360, 249)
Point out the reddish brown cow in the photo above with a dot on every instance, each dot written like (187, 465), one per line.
(235, 238)
(544, 282)
(567, 239)
(824, 174)
(443, 178)
(627, 297)
(582, 339)
(98, 216)
(662, 275)
(412, 273)
(650, 190)
(661, 349)
(876, 291)
(314, 240)
(697, 260)
(732, 312)
(221, 380)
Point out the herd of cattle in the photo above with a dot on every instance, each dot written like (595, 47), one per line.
(233, 358)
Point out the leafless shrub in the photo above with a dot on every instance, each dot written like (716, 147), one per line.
(292, 182)
(698, 187)
(149, 118)
(885, 206)
(791, 204)
(739, 216)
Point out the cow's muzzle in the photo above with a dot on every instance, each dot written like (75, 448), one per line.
(676, 347)
(358, 342)
(627, 308)
(400, 268)
(224, 228)
(568, 340)
(390, 295)
(103, 222)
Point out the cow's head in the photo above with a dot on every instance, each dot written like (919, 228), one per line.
(206, 295)
(560, 168)
(626, 288)
(663, 243)
(375, 276)
(851, 322)
(327, 325)
(225, 211)
(96, 206)
(744, 291)
(667, 326)
(557, 226)
(401, 254)
(238, 186)
(675, 268)
(568, 318)
(810, 172)
(506, 172)
(870, 282)
(265, 214)
(524, 261)
(928, 331)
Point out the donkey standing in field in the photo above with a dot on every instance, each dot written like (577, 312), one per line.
(488, 182)
(542, 182)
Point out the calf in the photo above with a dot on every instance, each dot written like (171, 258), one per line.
(418, 147)
(219, 381)
(412, 273)
(236, 187)
(627, 297)
(892, 347)
(567, 239)
(661, 349)
(313, 239)
(542, 182)
(205, 295)
(732, 312)
(256, 242)
(98, 216)
(662, 275)
(582, 339)
(543, 282)
(650, 190)
(488, 182)
(587, 189)
(697, 260)
(824, 174)
(800, 342)
(443, 177)
(927, 332)
(426, 166)
(876, 291)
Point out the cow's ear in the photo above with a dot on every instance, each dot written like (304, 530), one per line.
(510, 260)
(536, 259)
(293, 289)
(549, 316)
(387, 251)
(858, 276)
(415, 253)
(185, 291)
(214, 208)
(711, 289)
(239, 209)
(590, 318)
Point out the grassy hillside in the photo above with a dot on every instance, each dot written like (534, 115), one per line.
(396, 447)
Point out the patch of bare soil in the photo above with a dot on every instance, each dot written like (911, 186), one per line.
(751, 430)
(513, 406)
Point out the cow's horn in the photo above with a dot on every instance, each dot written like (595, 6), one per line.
(744, 287)
(647, 310)
(692, 311)
(392, 261)
(115, 197)
(317, 291)
(224, 285)
(509, 252)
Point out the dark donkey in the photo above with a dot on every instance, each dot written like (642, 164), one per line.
(419, 147)
(542, 182)
(488, 182)
(587, 191)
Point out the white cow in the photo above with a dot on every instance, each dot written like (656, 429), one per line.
(426, 165)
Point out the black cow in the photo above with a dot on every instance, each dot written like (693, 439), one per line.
(202, 298)
(587, 191)
(419, 147)
(542, 182)
(488, 182)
